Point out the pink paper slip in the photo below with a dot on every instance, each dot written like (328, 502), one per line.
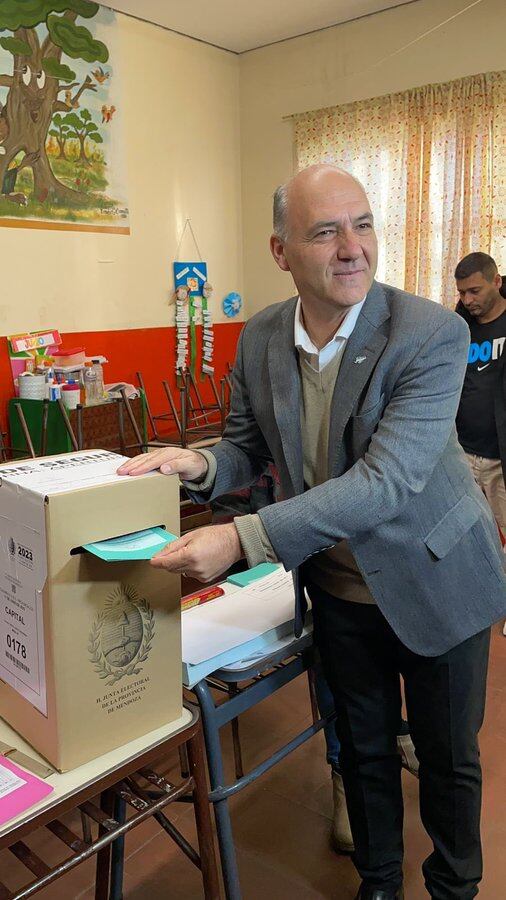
(18, 790)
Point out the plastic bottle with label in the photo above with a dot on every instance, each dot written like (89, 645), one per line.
(90, 385)
(55, 391)
(49, 373)
(100, 378)
(71, 394)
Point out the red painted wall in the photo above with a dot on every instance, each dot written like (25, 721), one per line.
(148, 350)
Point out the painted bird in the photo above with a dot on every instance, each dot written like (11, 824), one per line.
(107, 113)
(100, 75)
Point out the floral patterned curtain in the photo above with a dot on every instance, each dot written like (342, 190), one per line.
(433, 161)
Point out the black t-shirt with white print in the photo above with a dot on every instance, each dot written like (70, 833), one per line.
(476, 424)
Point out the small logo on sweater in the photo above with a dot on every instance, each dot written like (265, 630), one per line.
(359, 359)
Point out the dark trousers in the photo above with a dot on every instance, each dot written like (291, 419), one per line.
(445, 696)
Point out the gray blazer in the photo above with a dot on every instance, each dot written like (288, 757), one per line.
(401, 491)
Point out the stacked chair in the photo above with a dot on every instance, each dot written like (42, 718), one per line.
(192, 422)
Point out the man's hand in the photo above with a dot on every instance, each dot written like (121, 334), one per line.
(190, 466)
(203, 554)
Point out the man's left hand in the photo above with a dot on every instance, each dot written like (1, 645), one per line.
(203, 554)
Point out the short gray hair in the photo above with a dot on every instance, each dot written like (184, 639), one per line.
(279, 208)
(280, 198)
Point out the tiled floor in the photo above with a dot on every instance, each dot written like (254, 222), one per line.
(281, 823)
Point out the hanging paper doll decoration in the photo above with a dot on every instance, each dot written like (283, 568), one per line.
(191, 276)
(181, 327)
(207, 331)
(232, 304)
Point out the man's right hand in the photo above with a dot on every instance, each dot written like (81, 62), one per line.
(190, 466)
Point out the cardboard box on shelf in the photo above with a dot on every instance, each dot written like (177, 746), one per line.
(90, 651)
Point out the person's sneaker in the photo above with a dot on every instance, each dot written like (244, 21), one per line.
(342, 840)
(407, 753)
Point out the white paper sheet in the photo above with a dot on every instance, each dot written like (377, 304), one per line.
(9, 781)
(240, 616)
(48, 476)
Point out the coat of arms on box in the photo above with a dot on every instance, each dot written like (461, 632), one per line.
(122, 635)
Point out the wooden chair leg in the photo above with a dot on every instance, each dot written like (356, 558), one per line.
(79, 426)
(3, 448)
(184, 415)
(67, 424)
(24, 428)
(43, 429)
(121, 425)
(168, 394)
(103, 867)
(183, 761)
(133, 421)
(201, 804)
(200, 406)
(86, 826)
(151, 418)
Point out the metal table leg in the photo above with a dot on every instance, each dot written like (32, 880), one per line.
(217, 780)
(261, 680)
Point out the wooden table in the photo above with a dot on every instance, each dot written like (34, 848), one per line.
(125, 774)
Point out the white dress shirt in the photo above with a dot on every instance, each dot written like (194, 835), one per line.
(318, 359)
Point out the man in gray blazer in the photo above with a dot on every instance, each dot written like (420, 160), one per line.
(351, 389)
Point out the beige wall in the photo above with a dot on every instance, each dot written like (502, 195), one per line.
(181, 134)
(205, 138)
(342, 64)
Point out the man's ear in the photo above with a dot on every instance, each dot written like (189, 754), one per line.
(498, 281)
(278, 252)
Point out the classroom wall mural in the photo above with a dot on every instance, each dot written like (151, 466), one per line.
(61, 159)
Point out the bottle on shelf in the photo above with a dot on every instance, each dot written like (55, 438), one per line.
(100, 378)
(90, 385)
(71, 394)
(48, 371)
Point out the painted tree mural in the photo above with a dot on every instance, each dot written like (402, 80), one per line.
(46, 126)
(60, 131)
(82, 129)
(39, 77)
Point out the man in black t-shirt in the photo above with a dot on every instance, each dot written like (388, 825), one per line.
(481, 417)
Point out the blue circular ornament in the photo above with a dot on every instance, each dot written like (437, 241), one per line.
(232, 304)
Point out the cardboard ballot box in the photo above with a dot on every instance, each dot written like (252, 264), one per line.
(90, 651)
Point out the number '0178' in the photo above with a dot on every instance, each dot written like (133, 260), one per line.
(16, 646)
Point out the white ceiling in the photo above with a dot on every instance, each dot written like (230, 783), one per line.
(240, 25)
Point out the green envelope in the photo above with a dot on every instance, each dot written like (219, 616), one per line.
(139, 545)
(242, 579)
